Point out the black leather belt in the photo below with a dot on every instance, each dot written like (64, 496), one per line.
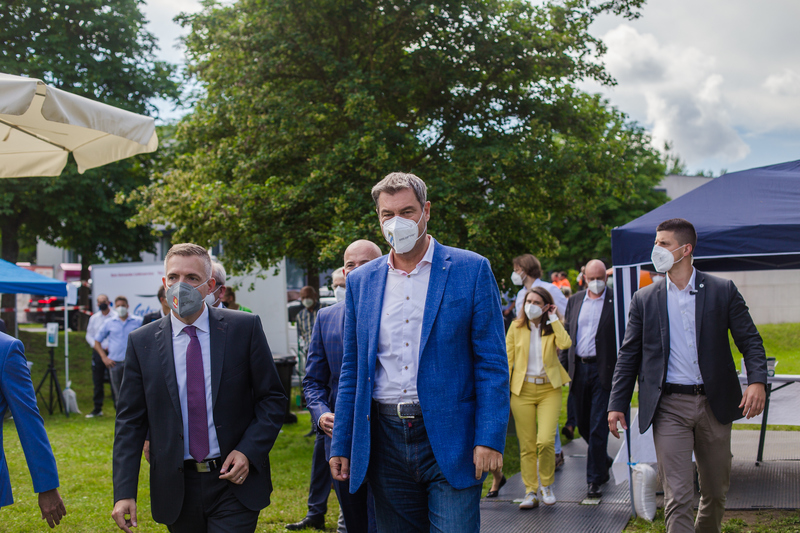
(204, 466)
(587, 360)
(672, 388)
(400, 410)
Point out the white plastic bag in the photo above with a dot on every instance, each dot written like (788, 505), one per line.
(644, 491)
(70, 400)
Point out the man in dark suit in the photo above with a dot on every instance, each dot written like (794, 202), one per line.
(590, 362)
(203, 383)
(161, 313)
(321, 386)
(676, 342)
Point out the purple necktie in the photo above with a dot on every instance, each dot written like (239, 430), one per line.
(196, 397)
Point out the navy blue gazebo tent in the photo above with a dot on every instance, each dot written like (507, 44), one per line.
(748, 220)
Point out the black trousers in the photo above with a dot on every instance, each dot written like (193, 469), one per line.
(320, 487)
(99, 373)
(209, 506)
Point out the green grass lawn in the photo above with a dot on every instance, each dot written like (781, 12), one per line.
(83, 452)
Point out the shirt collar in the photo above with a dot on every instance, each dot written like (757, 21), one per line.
(201, 323)
(602, 296)
(427, 258)
(689, 286)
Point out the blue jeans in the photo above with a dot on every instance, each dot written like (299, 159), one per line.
(410, 491)
(591, 406)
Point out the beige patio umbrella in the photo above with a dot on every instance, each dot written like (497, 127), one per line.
(41, 125)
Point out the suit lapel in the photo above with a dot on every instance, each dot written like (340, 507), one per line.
(375, 285)
(440, 270)
(607, 313)
(217, 332)
(167, 358)
(663, 321)
(699, 304)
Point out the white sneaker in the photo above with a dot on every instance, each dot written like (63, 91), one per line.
(547, 496)
(530, 501)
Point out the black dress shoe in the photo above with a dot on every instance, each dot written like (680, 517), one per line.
(494, 493)
(568, 432)
(312, 522)
(594, 491)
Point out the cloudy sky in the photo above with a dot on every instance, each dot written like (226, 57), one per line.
(719, 80)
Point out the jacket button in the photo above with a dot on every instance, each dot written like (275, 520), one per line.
(367, 417)
(180, 470)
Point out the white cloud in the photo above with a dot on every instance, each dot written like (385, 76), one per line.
(683, 94)
(787, 83)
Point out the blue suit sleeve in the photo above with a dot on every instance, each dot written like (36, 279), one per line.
(16, 388)
(318, 374)
(342, 441)
(491, 363)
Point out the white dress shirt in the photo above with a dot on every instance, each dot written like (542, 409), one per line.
(180, 342)
(400, 331)
(558, 297)
(535, 362)
(96, 322)
(588, 320)
(683, 367)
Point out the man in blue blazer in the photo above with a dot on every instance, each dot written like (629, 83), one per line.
(423, 395)
(321, 385)
(16, 393)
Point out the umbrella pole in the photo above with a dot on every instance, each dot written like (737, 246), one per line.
(630, 462)
(16, 319)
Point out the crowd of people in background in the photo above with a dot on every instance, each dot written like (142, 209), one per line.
(409, 384)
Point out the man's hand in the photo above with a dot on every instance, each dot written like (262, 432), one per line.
(613, 418)
(235, 468)
(146, 450)
(753, 400)
(107, 361)
(122, 509)
(486, 459)
(326, 424)
(52, 507)
(340, 468)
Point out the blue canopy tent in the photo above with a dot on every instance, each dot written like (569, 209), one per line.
(18, 280)
(748, 220)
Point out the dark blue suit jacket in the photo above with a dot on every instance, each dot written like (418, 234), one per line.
(462, 381)
(16, 393)
(324, 364)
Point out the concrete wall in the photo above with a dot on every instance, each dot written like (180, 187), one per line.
(773, 296)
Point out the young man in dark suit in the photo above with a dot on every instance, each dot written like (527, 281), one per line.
(203, 383)
(590, 363)
(676, 342)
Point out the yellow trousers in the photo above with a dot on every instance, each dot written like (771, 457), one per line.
(536, 411)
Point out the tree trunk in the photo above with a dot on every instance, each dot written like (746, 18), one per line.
(10, 251)
(84, 298)
(312, 276)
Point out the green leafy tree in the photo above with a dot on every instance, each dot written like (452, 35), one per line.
(306, 104)
(101, 50)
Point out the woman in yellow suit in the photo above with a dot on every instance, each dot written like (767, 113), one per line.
(536, 379)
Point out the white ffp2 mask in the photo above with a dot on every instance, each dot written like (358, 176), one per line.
(401, 233)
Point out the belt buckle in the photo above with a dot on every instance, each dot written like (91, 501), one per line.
(207, 466)
(401, 416)
(696, 389)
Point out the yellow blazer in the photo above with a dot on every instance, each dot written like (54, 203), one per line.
(518, 345)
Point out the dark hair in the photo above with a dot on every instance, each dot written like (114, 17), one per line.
(683, 229)
(522, 319)
(529, 264)
(308, 291)
(162, 293)
(122, 298)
